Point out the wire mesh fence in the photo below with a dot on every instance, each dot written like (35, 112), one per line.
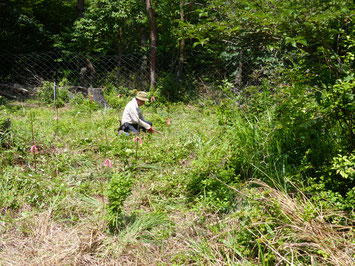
(32, 70)
(132, 71)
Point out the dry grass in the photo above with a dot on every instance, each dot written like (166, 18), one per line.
(41, 239)
(38, 240)
(308, 231)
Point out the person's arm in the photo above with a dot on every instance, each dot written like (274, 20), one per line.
(136, 115)
(141, 117)
(144, 124)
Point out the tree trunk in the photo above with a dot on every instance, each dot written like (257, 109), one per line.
(182, 43)
(80, 8)
(144, 64)
(238, 76)
(153, 44)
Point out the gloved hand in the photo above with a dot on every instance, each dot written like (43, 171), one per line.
(151, 130)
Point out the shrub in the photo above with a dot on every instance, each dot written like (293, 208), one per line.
(46, 94)
(77, 99)
(118, 190)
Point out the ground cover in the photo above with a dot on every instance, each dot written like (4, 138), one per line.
(189, 196)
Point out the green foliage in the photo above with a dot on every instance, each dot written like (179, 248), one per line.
(77, 99)
(338, 103)
(345, 166)
(46, 94)
(20, 188)
(290, 132)
(29, 26)
(5, 132)
(116, 99)
(171, 89)
(117, 192)
(337, 182)
(108, 27)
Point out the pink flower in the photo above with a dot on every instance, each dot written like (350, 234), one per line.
(168, 121)
(91, 97)
(108, 163)
(34, 149)
(56, 118)
(139, 139)
(203, 104)
(152, 99)
(119, 95)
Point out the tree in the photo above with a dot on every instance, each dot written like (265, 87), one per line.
(80, 8)
(182, 43)
(153, 43)
(33, 25)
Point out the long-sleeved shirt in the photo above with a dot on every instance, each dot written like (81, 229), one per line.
(132, 114)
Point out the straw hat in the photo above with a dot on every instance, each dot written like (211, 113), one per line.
(142, 95)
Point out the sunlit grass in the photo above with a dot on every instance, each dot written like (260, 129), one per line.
(190, 201)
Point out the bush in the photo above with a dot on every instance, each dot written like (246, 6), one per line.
(77, 99)
(169, 88)
(46, 94)
(118, 190)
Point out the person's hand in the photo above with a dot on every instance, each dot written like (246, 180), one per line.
(151, 130)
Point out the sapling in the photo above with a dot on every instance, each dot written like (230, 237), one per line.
(152, 99)
(137, 139)
(56, 106)
(107, 161)
(105, 131)
(168, 121)
(34, 149)
(201, 107)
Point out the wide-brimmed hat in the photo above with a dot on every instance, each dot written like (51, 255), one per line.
(142, 95)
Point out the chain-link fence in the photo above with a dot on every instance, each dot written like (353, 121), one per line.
(131, 71)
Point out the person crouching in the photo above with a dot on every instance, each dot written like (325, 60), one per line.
(132, 118)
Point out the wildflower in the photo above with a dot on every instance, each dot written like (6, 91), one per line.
(138, 139)
(91, 97)
(119, 95)
(152, 99)
(203, 104)
(34, 149)
(108, 163)
(168, 121)
(56, 118)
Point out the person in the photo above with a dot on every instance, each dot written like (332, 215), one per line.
(132, 117)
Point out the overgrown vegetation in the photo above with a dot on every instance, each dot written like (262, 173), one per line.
(228, 183)
(256, 164)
